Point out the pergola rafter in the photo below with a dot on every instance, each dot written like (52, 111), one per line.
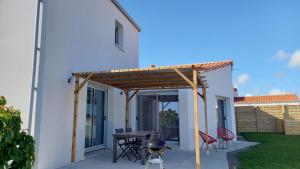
(165, 77)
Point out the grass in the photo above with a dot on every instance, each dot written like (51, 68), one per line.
(276, 151)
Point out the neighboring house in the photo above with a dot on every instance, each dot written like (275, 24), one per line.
(269, 100)
(79, 36)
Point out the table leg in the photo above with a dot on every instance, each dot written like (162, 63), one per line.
(114, 149)
(143, 151)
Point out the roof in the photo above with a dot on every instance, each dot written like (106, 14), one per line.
(208, 66)
(163, 77)
(119, 6)
(285, 98)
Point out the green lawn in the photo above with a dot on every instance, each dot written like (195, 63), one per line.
(276, 151)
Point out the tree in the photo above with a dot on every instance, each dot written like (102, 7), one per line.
(16, 146)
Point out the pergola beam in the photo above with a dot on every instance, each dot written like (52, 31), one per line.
(196, 118)
(137, 76)
(146, 85)
(126, 91)
(206, 118)
(84, 82)
(133, 81)
(184, 77)
(75, 116)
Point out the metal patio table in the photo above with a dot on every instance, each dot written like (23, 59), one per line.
(141, 135)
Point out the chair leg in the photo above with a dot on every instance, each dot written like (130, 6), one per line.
(161, 163)
(215, 146)
(124, 153)
(201, 146)
(148, 162)
(234, 143)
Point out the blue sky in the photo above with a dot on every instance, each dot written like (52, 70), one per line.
(261, 37)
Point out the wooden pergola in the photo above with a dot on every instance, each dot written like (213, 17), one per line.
(164, 77)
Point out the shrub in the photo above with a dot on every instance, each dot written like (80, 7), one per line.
(16, 146)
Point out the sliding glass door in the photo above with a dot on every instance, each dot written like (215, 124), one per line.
(159, 111)
(221, 113)
(95, 129)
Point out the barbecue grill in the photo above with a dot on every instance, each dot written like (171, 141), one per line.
(156, 148)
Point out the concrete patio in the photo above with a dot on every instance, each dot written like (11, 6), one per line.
(173, 159)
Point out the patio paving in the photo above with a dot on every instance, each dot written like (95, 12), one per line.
(173, 159)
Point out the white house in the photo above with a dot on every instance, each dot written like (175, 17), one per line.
(43, 43)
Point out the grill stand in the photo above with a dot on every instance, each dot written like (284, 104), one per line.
(155, 159)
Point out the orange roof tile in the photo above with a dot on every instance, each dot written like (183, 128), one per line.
(285, 98)
(213, 65)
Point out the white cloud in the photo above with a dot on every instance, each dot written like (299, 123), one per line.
(249, 94)
(294, 61)
(277, 92)
(243, 79)
(282, 55)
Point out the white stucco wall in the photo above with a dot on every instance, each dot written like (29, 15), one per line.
(220, 85)
(17, 35)
(77, 36)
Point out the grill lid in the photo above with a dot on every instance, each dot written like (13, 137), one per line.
(157, 143)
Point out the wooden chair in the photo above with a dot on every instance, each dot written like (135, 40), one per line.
(124, 145)
(135, 148)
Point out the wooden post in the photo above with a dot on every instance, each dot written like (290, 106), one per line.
(283, 117)
(194, 85)
(236, 120)
(196, 118)
(74, 135)
(206, 118)
(256, 118)
(126, 108)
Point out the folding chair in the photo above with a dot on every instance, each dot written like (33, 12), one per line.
(124, 145)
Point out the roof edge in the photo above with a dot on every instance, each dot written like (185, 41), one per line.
(125, 13)
(226, 63)
(295, 99)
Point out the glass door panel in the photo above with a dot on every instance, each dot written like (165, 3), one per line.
(159, 111)
(147, 114)
(99, 118)
(221, 114)
(95, 119)
(89, 114)
(168, 116)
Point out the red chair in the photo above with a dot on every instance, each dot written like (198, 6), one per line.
(210, 140)
(226, 135)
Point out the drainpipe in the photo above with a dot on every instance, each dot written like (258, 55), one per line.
(34, 78)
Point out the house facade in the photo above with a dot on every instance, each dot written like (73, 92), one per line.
(61, 37)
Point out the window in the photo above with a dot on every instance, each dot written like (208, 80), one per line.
(119, 35)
